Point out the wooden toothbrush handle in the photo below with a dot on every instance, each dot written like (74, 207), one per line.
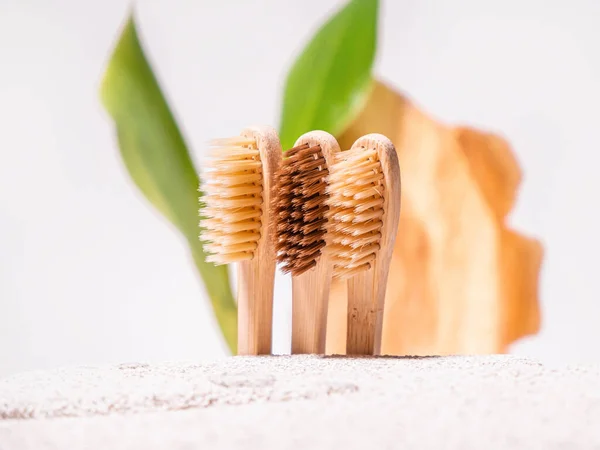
(255, 306)
(366, 300)
(362, 314)
(310, 296)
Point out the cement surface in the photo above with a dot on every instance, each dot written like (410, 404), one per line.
(305, 402)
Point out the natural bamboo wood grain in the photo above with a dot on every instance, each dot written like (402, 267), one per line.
(371, 213)
(256, 277)
(310, 290)
(462, 280)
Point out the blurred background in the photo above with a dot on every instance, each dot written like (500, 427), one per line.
(91, 273)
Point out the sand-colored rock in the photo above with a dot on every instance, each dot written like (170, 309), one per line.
(305, 402)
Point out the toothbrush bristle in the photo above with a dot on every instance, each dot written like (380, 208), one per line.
(354, 218)
(300, 208)
(232, 188)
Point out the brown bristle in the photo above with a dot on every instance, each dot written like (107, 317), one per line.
(300, 208)
(232, 187)
(355, 211)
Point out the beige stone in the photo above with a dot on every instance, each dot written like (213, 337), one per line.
(305, 402)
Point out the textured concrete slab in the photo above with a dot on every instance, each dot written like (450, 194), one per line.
(305, 402)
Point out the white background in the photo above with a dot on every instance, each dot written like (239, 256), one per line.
(89, 273)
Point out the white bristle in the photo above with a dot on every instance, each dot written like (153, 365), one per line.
(355, 211)
(232, 187)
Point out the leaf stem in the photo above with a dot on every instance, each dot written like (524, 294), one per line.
(222, 300)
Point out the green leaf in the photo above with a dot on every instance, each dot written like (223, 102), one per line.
(329, 82)
(158, 160)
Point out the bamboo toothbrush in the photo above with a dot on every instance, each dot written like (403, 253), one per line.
(364, 189)
(300, 217)
(238, 183)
